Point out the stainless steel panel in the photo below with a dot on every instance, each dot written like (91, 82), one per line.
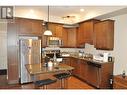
(30, 53)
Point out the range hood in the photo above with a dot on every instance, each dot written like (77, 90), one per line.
(71, 25)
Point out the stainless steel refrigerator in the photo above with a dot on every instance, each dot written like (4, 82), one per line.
(30, 53)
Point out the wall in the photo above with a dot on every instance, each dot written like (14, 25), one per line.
(3, 45)
(120, 45)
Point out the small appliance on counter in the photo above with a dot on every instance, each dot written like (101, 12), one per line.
(105, 57)
(102, 57)
(97, 58)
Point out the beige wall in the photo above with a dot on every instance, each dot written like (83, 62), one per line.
(3, 45)
(120, 45)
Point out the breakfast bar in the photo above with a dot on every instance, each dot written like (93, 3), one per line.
(35, 69)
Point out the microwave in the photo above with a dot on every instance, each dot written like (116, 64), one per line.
(54, 41)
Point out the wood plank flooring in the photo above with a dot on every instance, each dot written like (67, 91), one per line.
(73, 83)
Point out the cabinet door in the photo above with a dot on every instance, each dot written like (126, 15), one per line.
(72, 37)
(88, 32)
(65, 37)
(12, 50)
(59, 30)
(25, 26)
(69, 37)
(104, 32)
(80, 35)
(30, 27)
(37, 28)
(66, 61)
(74, 63)
(83, 69)
(56, 29)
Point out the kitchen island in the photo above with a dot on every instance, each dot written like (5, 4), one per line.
(35, 69)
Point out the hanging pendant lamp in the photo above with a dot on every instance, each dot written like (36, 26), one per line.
(47, 32)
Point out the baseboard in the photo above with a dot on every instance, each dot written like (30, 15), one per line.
(13, 82)
(3, 72)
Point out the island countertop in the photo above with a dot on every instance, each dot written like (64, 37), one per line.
(40, 69)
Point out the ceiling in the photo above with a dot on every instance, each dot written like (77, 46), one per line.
(57, 13)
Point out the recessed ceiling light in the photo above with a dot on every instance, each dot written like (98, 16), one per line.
(31, 11)
(81, 10)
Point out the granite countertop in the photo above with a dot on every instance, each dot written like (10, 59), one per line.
(34, 69)
(88, 59)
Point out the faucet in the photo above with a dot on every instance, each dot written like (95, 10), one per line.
(54, 57)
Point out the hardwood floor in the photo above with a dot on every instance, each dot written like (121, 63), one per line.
(73, 83)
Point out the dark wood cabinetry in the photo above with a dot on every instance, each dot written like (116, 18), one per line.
(69, 37)
(98, 75)
(104, 35)
(120, 82)
(20, 27)
(30, 27)
(74, 63)
(86, 32)
(66, 61)
(83, 69)
(12, 52)
(57, 29)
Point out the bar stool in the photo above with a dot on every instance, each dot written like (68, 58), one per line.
(44, 83)
(62, 77)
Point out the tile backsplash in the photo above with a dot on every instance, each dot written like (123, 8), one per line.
(68, 50)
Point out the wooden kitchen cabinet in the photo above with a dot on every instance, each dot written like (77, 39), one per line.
(56, 29)
(66, 60)
(86, 32)
(83, 69)
(74, 63)
(99, 75)
(119, 82)
(69, 37)
(30, 27)
(95, 74)
(65, 38)
(104, 35)
(12, 50)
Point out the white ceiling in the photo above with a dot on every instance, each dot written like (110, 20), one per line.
(58, 12)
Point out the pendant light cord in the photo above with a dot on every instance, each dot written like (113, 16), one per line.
(48, 13)
(48, 18)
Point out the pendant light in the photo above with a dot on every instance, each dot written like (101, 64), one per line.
(47, 32)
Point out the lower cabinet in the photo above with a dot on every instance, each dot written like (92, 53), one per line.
(66, 61)
(75, 64)
(95, 74)
(83, 69)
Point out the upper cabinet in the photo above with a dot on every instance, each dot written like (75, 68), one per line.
(30, 27)
(69, 37)
(104, 35)
(85, 32)
(56, 29)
